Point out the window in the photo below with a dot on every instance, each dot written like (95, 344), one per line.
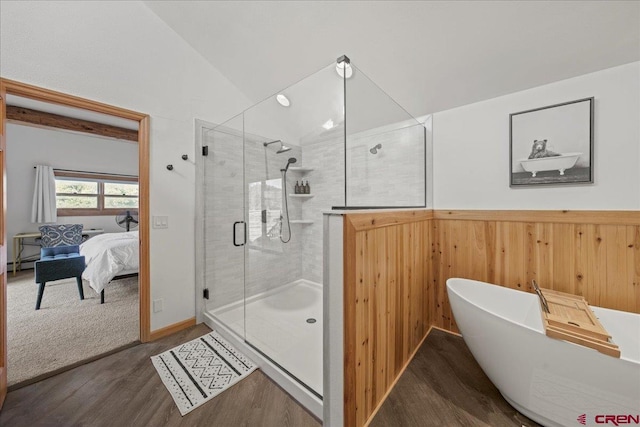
(81, 193)
(264, 210)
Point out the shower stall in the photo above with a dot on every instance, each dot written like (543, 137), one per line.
(341, 137)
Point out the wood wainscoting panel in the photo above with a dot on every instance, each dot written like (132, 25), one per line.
(387, 261)
(597, 256)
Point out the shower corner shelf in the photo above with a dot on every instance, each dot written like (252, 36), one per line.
(301, 196)
(301, 221)
(300, 169)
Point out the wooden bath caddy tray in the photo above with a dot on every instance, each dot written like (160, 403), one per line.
(569, 317)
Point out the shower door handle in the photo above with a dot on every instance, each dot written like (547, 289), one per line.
(244, 229)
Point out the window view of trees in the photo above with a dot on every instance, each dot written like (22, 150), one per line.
(120, 195)
(99, 196)
(267, 196)
(76, 194)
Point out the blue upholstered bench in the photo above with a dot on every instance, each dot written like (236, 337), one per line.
(59, 262)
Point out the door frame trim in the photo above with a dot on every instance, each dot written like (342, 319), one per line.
(12, 87)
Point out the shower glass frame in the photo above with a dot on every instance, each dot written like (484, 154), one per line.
(394, 175)
(336, 116)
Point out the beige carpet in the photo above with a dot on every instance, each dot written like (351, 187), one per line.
(65, 330)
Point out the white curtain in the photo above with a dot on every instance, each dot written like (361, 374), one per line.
(43, 208)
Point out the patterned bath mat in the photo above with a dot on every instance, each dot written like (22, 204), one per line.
(199, 370)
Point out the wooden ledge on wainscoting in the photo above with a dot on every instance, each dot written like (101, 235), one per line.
(617, 217)
(172, 329)
(369, 221)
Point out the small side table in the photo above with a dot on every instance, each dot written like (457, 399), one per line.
(18, 244)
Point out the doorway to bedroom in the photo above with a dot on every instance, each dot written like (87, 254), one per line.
(74, 192)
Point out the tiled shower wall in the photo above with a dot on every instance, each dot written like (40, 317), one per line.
(392, 177)
(268, 262)
(327, 188)
(395, 176)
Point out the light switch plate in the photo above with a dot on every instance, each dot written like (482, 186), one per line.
(160, 221)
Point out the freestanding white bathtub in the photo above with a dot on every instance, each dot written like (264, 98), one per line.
(553, 382)
(559, 163)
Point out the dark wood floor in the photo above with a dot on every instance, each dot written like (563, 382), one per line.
(123, 389)
(444, 386)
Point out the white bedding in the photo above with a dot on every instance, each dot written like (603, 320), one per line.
(108, 255)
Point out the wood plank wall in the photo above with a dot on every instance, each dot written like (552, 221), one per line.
(387, 260)
(593, 254)
(397, 263)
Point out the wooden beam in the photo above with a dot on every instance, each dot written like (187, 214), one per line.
(50, 120)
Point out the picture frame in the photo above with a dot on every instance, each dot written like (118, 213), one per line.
(552, 145)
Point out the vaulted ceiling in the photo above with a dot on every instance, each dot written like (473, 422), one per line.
(428, 56)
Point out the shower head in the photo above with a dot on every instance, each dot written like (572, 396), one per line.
(283, 148)
(289, 163)
(374, 150)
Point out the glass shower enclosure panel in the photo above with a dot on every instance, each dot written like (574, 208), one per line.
(385, 149)
(334, 132)
(283, 310)
(224, 224)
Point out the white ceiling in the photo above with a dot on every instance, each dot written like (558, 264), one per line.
(428, 56)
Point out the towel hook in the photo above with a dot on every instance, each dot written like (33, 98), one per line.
(170, 167)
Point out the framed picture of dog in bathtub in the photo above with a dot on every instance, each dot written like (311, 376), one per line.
(552, 145)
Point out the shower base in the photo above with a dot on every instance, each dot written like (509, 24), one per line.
(285, 325)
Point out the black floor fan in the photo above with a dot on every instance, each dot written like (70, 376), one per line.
(127, 219)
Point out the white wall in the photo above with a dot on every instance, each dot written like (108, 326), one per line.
(471, 148)
(121, 53)
(28, 146)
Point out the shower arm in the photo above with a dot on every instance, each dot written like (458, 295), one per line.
(283, 148)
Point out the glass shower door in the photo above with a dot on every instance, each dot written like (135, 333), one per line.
(270, 264)
(224, 224)
(283, 305)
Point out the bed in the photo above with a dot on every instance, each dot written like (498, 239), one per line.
(110, 255)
